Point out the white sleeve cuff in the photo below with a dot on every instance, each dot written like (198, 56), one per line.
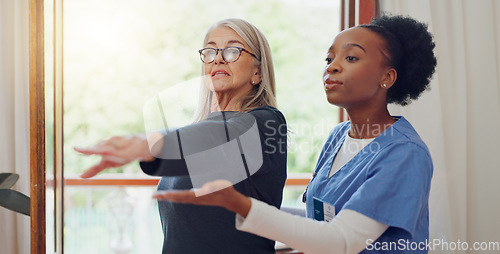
(246, 224)
(346, 233)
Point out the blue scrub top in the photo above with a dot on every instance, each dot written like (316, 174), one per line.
(388, 181)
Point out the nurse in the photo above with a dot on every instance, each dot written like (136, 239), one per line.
(371, 184)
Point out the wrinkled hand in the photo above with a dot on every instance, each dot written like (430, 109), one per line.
(117, 151)
(217, 193)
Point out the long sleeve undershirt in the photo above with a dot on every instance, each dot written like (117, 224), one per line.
(348, 232)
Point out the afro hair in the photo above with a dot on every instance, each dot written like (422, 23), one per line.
(411, 51)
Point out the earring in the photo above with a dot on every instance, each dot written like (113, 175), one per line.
(384, 85)
(253, 82)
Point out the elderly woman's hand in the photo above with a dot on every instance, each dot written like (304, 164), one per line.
(118, 151)
(217, 193)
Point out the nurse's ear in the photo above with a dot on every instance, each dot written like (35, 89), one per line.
(388, 78)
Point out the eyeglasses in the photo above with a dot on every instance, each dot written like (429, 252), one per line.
(230, 54)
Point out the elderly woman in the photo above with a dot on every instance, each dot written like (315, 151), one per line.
(239, 96)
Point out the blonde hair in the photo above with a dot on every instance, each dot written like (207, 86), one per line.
(262, 94)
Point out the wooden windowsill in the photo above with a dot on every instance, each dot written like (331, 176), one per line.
(142, 180)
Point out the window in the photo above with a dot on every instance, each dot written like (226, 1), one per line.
(111, 56)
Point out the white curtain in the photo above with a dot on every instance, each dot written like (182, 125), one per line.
(459, 119)
(14, 118)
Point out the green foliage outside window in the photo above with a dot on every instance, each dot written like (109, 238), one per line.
(120, 53)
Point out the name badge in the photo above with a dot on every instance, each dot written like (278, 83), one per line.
(323, 211)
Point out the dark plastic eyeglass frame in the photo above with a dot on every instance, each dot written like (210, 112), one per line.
(222, 52)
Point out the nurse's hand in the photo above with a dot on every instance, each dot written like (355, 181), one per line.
(217, 193)
(118, 151)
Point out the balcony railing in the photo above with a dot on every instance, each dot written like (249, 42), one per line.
(114, 213)
(294, 179)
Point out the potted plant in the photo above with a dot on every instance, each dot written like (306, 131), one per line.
(11, 199)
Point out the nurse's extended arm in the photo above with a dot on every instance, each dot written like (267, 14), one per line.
(348, 232)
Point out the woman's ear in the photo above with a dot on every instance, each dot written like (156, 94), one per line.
(389, 78)
(257, 76)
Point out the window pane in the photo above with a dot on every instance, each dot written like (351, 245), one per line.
(120, 53)
(49, 122)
